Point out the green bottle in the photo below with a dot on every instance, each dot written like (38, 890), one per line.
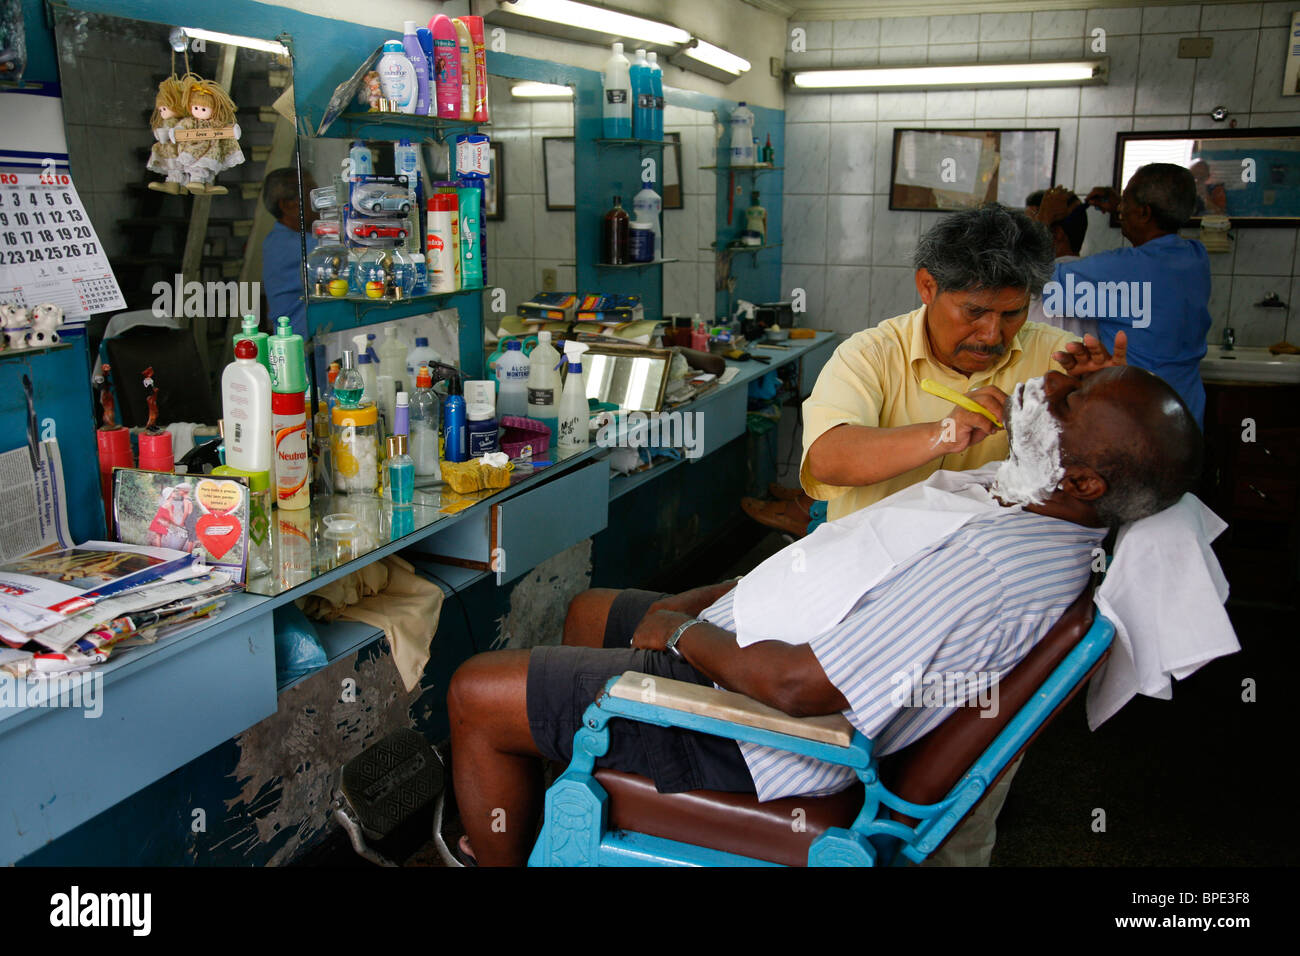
(250, 331)
(288, 360)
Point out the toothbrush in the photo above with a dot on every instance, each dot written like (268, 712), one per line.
(947, 394)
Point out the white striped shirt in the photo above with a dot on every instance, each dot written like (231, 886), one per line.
(973, 605)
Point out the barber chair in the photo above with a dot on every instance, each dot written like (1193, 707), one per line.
(901, 809)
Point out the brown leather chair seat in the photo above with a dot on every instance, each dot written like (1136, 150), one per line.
(923, 773)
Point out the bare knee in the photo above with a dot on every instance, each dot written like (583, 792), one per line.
(584, 625)
(479, 685)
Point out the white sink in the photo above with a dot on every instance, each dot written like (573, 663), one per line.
(1249, 365)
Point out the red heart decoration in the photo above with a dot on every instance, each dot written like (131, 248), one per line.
(218, 533)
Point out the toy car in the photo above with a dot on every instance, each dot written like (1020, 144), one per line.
(379, 229)
(376, 198)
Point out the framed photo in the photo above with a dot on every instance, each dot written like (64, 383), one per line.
(557, 166)
(494, 192)
(673, 194)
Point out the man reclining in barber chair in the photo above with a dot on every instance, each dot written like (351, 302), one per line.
(964, 573)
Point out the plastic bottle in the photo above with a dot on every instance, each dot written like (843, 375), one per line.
(397, 78)
(426, 47)
(469, 202)
(617, 105)
(392, 353)
(362, 161)
(544, 383)
(512, 373)
(699, 335)
(647, 205)
(475, 25)
(643, 97)
(614, 236)
(399, 471)
(424, 426)
(288, 359)
(454, 423)
(366, 368)
(442, 252)
(481, 427)
(406, 157)
(415, 54)
(446, 65)
(756, 217)
(657, 88)
(290, 465)
(769, 154)
(250, 331)
(742, 136)
(574, 411)
(246, 410)
(465, 47)
(420, 355)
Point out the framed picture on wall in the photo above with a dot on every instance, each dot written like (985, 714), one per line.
(673, 194)
(494, 192)
(557, 166)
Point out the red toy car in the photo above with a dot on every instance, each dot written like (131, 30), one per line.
(378, 230)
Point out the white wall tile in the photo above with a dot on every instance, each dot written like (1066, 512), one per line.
(1164, 83)
(884, 156)
(1053, 24)
(852, 158)
(1291, 118)
(901, 106)
(810, 60)
(849, 34)
(1231, 16)
(848, 230)
(1265, 252)
(1185, 19)
(1005, 26)
(854, 58)
(1000, 103)
(1096, 152)
(812, 279)
(848, 298)
(1003, 51)
(1256, 327)
(893, 235)
(953, 53)
(807, 146)
(1067, 140)
(950, 105)
(956, 29)
(803, 220)
(705, 290)
(1155, 121)
(1116, 97)
(1116, 21)
(1057, 49)
(1219, 306)
(893, 292)
(1268, 69)
(1221, 262)
(1277, 14)
(1220, 80)
(807, 108)
(817, 34)
(1053, 101)
(853, 107)
(681, 235)
(905, 31)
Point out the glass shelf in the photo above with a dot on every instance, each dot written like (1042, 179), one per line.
(366, 300)
(746, 169)
(732, 250)
(407, 121)
(635, 265)
(636, 142)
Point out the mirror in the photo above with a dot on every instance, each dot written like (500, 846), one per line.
(182, 227)
(634, 379)
(1250, 175)
(690, 224)
(530, 242)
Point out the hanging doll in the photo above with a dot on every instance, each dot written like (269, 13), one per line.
(168, 108)
(209, 107)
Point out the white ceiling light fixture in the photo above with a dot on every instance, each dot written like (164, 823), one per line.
(715, 56)
(532, 90)
(603, 20)
(251, 43)
(1089, 72)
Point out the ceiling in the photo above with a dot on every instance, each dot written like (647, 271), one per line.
(863, 9)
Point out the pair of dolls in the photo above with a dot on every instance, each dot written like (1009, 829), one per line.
(192, 103)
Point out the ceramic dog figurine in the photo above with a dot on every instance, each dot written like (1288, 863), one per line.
(46, 319)
(17, 322)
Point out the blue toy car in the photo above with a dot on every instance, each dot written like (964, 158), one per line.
(375, 199)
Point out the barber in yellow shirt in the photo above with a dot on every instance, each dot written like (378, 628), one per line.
(870, 430)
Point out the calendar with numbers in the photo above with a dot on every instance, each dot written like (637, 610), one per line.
(49, 251)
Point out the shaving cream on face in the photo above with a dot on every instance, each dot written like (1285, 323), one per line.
(1033, 469)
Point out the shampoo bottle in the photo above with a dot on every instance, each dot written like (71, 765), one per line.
(475, 25)
(415, 53)
(617, 105)
(574, 410)
(643, 98)
(246, 411)
(397, 78)
(465, 47)
(446, 65)
(250, 332)
(657, 87)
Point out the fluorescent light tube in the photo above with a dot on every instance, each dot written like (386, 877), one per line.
(541, 91)
(252, 43)
(930, 77)
(716, 56)
(599, 20)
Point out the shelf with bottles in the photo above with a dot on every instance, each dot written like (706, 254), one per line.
(399, 126)
(380, 300)
(634, 265)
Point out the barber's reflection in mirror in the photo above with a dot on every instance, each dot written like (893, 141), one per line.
(282, 249)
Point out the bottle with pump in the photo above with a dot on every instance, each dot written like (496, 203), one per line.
(615, 235)
(574, 411)
(512, 374)
(657, 89)
(617, 105)
(415, 53)
(424, 428)
(246, 411)
(446, 65)
(742, 136)
(544, 383)
(643, 97)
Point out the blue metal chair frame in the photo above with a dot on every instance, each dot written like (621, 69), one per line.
(575, 830)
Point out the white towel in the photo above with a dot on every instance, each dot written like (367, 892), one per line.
(1164, 592)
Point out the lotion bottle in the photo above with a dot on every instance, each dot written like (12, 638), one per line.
(415, 53)
(246, 410)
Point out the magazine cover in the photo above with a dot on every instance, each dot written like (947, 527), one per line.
(203, 516)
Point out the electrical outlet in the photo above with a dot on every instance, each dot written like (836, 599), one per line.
(1194, 48)
(549, 280)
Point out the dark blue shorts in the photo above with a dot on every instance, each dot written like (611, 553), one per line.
(563, 681)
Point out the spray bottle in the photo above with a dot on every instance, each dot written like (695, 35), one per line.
(574, 411)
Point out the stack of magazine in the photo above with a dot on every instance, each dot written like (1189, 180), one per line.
(67, 610)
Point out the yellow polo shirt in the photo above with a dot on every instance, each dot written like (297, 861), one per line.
(874, 379)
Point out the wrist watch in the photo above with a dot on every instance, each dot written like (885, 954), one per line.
(671, 645)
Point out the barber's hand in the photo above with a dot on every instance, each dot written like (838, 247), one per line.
(968, 428)
(1105, 198)
(1083, 358)
(656, 627)
(1057, 203)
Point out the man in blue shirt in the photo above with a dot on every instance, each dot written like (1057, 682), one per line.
(1158, 291)
(282, 248)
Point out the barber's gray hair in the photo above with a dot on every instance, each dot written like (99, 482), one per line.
(1169, 190)
(992, 247)
(280, 184)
